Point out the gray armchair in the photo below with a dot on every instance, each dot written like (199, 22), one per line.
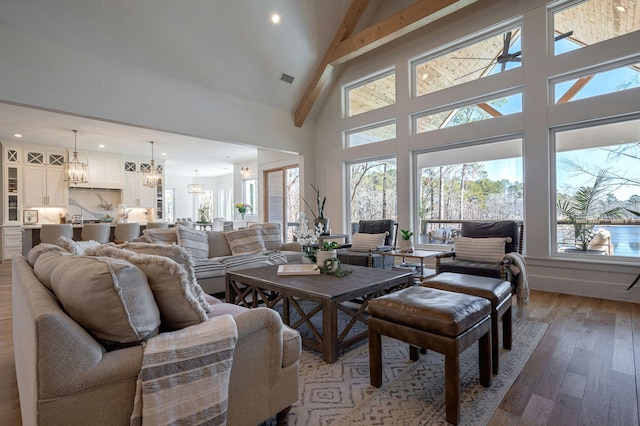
(371, 258)
(507, 228)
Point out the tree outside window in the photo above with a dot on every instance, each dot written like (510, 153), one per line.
(373, 190)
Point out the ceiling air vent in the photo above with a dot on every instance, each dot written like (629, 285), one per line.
(286, 78)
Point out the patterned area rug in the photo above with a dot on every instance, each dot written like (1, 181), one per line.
(412, 393)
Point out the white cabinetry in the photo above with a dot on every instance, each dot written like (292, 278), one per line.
(43, 175)
(135, 194)
(11, 185)
(11, 242)
(104, 171)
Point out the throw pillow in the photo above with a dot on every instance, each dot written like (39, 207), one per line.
(78, 247)
(365, 242)
(168, 280)
(40, 249)
(110, 298)
(480, 249)
(161, 235)
(173, 252)
(194, 241)
(46, 264)
(245, 241)
(271, 235)
(218, 245)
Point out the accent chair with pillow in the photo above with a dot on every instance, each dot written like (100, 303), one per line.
(372, 236)
(481, 248)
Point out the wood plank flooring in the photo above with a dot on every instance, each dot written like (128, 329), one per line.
(582, 372)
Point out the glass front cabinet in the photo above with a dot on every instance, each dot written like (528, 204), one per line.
(12, 179)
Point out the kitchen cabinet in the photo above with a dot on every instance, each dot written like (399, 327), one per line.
(135, 194)
(46, 187)
(104, 171)
(11, 242)
(12, 185)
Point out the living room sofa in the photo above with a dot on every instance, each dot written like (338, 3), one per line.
(215, 252)
(68, 374)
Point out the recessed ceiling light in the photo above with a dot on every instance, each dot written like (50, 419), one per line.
(621, 9)
(17, 135)
(163, 153)
(101, 146)
(275, 18)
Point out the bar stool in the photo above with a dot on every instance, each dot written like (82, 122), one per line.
(99, 232)
(126, 232)
(51, 233)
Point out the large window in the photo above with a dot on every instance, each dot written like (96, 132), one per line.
(491, 55)
(373, 190)
(250, 196)
(371, 134)
(593, 21)
(372, 93)
(283, 199)
(598, 83)
(598, 190)
(477, 182)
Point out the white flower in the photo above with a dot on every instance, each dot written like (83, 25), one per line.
(306, 236)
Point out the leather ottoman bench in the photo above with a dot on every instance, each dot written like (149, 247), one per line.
(442, 321)
(497, 291)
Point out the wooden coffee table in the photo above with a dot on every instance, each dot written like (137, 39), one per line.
(328, 295)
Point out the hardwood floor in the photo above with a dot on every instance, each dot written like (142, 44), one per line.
(582, 372)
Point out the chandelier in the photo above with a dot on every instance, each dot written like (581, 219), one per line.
(153, 177)
(74, 170)
(194, 188)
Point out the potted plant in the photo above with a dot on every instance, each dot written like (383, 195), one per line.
(406, 243)
(585, 209)
(319, 218)
(327, 250)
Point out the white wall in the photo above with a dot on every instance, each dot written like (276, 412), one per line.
(584, 277)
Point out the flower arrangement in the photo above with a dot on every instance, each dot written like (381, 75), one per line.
(305, 235)
(242, 208)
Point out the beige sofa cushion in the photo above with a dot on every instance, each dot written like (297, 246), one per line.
(194, 241)
(218, 244)
(168, 280)
(41, 248)
(161, 235)
(245, 241)
(46, 264)
(110, 298)
(177, 254)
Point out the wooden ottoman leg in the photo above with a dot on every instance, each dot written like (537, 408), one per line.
(414, 355)
(495, 341)
(507, 330)
(452, 387)
(282, 418)
(375, 358)
(484, 359)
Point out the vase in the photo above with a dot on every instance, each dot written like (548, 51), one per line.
(322, 255)
(406, 246)
(241, 216)
(325, 224)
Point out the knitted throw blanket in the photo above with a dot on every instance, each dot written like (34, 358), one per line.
(519, 269)
(184, 377)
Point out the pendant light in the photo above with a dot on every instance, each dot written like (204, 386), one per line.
(74, 170)
(153, 177)
(195, 188)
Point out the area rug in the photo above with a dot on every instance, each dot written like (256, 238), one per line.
(412, 393)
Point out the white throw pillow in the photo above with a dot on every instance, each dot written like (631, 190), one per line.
(365, 242)
(161, 235)
(480, 249)
(78, 248)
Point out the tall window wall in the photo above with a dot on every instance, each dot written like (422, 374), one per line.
(373, 190)
(458, 118)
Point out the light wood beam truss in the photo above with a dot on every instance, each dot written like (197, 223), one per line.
(345, 47)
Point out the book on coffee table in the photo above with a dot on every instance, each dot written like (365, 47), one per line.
(305, 269)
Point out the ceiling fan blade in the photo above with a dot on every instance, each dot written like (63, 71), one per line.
(516, 59)
(507, 44)
(472, 72)
(561, 36)
(462, 57)
(503, 66)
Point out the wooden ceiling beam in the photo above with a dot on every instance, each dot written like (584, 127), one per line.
(346, 28)
(345, 47)
(407, 20)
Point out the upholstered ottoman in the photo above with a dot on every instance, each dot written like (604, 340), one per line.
(442, 321)
(495, 290)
